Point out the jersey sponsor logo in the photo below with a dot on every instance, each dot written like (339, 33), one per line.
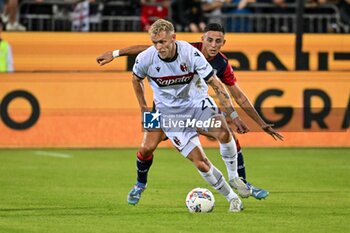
(158, 68)
(173, 80)
(184, 67)
(196, 54)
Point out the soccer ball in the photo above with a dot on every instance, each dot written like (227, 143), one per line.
(200, 200)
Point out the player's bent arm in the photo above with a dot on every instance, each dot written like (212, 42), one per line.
(132, 50)
(222, 94)
(243, 101)
(108, 56)
(139, 90)
(226, 102)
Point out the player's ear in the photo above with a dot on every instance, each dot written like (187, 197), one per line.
(174, 36)
(223, 43)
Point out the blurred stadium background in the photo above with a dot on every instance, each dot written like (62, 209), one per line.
(281, 63)
(291, 59)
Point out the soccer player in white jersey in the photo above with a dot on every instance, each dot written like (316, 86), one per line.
(212, 41)
(178, 73)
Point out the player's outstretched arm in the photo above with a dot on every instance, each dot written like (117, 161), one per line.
(226, 102)
(243, 101)
(139, 90)
(108, 56)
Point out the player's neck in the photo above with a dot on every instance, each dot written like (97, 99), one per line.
(172, 55)
(173, 52)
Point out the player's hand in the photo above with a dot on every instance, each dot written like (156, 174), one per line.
(276, 135)
(241, 126)
(105, 58)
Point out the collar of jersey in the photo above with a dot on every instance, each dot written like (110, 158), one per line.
(170, 59)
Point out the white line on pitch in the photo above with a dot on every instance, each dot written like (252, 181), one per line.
(53, 154)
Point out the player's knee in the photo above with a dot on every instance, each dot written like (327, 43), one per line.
(224, 136)
(147, 150)
(149, 146)
(202, 165)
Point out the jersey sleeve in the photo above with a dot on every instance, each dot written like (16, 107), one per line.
(228, 77)
(201, 65)
(140, 67)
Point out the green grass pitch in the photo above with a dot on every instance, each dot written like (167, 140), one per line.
(58, 191)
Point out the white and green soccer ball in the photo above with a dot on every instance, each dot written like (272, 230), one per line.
(200, 200)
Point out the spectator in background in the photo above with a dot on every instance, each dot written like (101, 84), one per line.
(6, 59)
(9, 15)
(321, 7)
(2, 4)
(188, 15)
(151, 10)
(79, 11)
(240, 24)
(279, 24)
(121, 7)
(214, 9)
(81, 16)
(344, 8)
(316, 3)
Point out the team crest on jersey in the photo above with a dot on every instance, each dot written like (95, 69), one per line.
(183, 67)
(177, 141)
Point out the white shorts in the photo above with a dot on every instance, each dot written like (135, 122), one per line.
(180, 124)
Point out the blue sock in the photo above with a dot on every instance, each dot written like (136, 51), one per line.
(143, 167)
(241, 166)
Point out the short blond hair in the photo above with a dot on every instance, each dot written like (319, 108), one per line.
(161, 25)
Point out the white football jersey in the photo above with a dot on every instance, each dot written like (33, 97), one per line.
(176, 82)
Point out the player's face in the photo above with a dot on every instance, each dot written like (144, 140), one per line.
(212, 43)
(165, 44)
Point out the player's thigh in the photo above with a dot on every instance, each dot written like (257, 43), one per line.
(180, 138)
(207, 111)
(219, 130)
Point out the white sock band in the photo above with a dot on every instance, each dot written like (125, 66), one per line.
(215, 178)
(229, 155)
